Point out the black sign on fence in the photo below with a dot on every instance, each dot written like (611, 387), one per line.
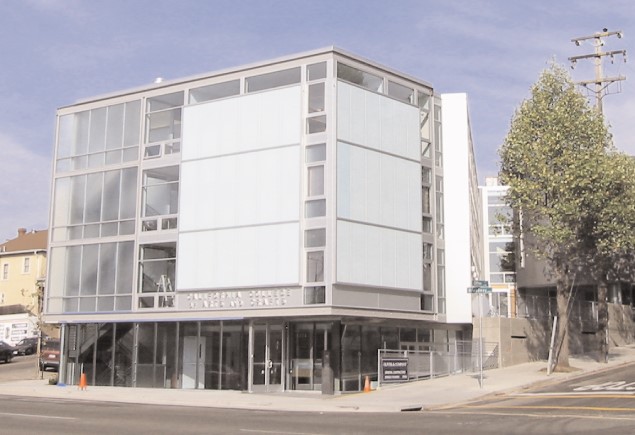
(394, 370)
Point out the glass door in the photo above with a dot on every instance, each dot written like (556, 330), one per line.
(267, 367)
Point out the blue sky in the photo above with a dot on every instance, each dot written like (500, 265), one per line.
(55, 52)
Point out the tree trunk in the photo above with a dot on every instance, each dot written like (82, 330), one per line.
(562, 338)
(603, 323)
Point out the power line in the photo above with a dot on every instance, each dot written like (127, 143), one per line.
(599, 86)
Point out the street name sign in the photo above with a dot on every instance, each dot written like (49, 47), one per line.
(479, 289)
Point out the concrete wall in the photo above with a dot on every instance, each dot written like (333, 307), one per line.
(522, 340)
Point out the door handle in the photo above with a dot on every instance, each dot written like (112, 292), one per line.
(269, 363)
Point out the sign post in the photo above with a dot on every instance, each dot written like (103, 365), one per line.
(480, 287)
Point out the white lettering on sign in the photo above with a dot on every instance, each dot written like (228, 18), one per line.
(238, 299)
(608, 386)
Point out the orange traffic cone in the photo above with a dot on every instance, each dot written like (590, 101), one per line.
(82, 381)
(367, 385)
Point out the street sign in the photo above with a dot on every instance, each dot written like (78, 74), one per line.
(477, 283)
(394, 370)
(479, 289)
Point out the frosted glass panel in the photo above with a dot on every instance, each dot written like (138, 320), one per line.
(378, 122)
(369, 255)
(377, 188)
(239, 257)
(246, 123)
(244, 189)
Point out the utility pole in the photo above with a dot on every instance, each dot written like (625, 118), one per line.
(599, 86)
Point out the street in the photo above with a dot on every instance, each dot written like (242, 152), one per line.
(594, 403)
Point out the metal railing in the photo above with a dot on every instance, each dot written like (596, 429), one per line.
(397, 366)
(538, 307)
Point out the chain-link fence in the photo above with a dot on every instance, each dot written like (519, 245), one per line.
(395, 366)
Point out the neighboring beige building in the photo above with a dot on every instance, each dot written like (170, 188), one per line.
(22, 275)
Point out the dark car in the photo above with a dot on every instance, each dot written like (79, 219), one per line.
(27, 346)
(6, 352)
(50, 355)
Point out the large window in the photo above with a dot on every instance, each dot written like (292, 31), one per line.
(273, 80)
(361, 78)
(91, 278)
(157, 272)
(94, 138)
(100, 204)
(215, 91)
(163, 125)
(160, 198)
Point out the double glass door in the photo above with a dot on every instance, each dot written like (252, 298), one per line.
(268, 354)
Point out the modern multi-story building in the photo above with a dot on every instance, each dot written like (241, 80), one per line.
(500, 249)
(267, 227)
(22, 275)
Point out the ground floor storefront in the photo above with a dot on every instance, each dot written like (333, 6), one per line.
(322, 354)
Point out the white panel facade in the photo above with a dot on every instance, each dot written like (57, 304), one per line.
(456, 186)
(245, 189)
(378, 188)
(240, 206)
(377, 122)
(376, 256)
(239, 257)
(246, 123)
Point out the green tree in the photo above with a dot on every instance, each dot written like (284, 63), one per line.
(567, 186)
(608, 225)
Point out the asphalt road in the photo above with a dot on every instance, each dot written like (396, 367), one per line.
(596, 403)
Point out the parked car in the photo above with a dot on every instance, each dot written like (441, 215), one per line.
(50, 355)
(26, 346)
(6, 352)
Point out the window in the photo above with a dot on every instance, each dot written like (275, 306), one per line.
(427, 225)
(160, 197)
(314, 295)
(316, 124)
(426, 175)
(427, 251)
(215, 91)
(316, 71)
(425, 199)
(316, 98)
(273, 80)
(316, 153)
(96, 277)
(27, 265)
(157, 271)
(360, 78)
(438, 138)
(5, 271)
(424, 116)
(163, 125)
(315, 238)
(84, 201)
(102, 136)
(315, 208)
(315, 266)
(401, 92)
(315, 180)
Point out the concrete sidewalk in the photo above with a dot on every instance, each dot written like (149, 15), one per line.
(426, 394)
